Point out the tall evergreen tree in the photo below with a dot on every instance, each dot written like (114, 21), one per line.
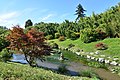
(79, 12)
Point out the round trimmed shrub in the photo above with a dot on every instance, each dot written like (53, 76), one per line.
(49, 37)
(61, 38)
(101, 46)
(57, 35)
(5, 55)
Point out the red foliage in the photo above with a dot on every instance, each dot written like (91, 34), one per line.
(32, 43)
(101, 46)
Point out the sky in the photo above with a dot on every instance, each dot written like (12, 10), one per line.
(16, 12)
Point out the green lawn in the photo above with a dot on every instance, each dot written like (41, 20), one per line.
(15, 71)
(113, 46)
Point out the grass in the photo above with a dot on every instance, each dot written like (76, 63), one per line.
(15, 71)
(113, 46)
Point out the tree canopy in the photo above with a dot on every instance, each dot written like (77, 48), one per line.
(32, 44)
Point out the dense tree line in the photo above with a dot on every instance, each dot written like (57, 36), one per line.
(88, 29)
(92, 28)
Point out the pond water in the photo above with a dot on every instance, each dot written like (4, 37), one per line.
(73, 66)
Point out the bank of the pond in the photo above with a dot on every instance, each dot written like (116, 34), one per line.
(74, 66)
(112, 51)
(15, 71)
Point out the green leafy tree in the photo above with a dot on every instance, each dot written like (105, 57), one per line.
(28, 23)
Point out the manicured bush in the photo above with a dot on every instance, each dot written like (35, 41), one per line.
(54, 45)
(49, 37)
(3, 43)
(101, 46)
(71, 45)
(61, 38)
(88, 35)
(57, 35)
(73, 36)
(5, 55)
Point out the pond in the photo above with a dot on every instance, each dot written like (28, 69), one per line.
(74, 64)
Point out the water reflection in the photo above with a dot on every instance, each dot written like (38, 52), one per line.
(19, 58)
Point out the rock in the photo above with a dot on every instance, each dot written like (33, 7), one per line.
(96, 59)
(102, 55)
(107, 61)
(88, 57)
(115, 59)
(101, 59)
(91, 53)
(109, 57)
(93, 58)
(114, 63)
(97, 52)
(78, 53)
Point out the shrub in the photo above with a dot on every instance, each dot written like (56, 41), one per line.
(5, 55)
(3, 43)
(98, 65)
(73, 36)
(49, 37)
(61, 38)
(54, 45)
(101, 46)
(88, 35)
(62, 69)
(57, 35)
(71, 45)
(88, 73)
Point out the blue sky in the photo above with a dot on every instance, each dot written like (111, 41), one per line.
(13, 12)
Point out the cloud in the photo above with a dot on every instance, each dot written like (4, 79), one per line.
(64, 15)
(8, 18)
(47, 17)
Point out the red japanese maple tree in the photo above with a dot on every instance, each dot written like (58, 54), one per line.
(32, 44)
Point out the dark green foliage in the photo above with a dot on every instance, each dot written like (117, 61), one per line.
(74, 36)
(80, 11)
(3, 30)
(3, 42)
(71, 45)
(5, 55)
(28, 23)
(100, 26)
(62, 69)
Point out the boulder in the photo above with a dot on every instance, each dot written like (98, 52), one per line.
(78, 53)
(107, 61)
(97, 52)
(88, 57)
(114, 63)
(101, 59)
